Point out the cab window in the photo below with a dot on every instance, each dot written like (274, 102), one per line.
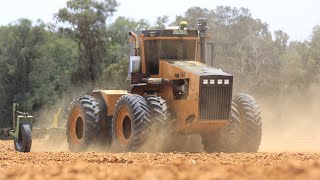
(151, 50)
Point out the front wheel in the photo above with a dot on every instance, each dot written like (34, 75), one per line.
(24, 141)
(163, 126)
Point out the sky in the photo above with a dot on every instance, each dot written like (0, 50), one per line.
(295, 17)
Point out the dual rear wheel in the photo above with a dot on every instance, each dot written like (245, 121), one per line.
(134, 120)
(86, 124)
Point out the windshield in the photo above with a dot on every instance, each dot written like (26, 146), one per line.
(181, 49)
(168, 50)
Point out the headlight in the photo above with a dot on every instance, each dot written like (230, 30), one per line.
(226, 81)
(220, 81)
(205, 81)
(212, 81)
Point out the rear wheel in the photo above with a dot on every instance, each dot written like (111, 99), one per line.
(104, 136)
(131, 122)
(82, 123)
(244, 132)
(24, 141)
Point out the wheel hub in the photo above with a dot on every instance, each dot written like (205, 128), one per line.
(76, 127)
(123, 127)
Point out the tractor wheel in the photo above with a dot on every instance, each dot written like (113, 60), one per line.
(163, 126)
(160, 118)
(158, 111)
(82, 123)
(24, 141)
(104, 137)
(131, 122)
(250, 114)
(244, 132)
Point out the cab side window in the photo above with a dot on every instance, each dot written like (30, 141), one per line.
(151, 50)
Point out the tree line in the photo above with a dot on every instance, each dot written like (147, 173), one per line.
(41, 63)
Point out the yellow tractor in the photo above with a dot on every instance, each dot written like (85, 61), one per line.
(173, 94)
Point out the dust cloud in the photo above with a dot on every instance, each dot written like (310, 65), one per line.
(48, 137)
(291, 123)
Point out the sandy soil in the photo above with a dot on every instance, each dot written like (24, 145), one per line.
(92, 165)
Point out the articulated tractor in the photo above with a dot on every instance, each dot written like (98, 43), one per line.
(173, 94)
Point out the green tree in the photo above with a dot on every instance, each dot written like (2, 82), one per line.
(161, 22)
(116, 68)
(85, 20)
(293, 72)
(281, 40)
(35, 66)
(20, 51)
(243, 46)
(312, 62)
(119, 29)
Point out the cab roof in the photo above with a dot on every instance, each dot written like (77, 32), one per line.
(168, 33)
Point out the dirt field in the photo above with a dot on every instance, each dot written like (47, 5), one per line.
(66, 165)
(290, 149)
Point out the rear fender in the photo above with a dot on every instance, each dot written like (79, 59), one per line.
(110, 97)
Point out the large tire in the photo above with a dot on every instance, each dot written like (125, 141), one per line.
(160, 118)
(251, 127)
(131, 123)
(104, 136)
(24, 141)
(158, 111)
(82, 123)
(163, 126)
(243, 134)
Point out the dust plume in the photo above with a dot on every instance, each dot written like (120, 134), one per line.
(48, 137)
(291, 123)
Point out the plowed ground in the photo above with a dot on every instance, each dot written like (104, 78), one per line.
(91, 165)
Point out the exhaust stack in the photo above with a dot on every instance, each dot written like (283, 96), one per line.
(136, 43)
(135, 61)
(203, 27)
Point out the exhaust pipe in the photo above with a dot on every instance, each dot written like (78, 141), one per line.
(136, 43)
(135, 61)
(203, 27)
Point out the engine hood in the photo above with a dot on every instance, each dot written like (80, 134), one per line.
(198, 68)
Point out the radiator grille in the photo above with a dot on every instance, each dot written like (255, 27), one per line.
(215, 99)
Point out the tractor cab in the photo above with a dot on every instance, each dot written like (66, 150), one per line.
(150, 47)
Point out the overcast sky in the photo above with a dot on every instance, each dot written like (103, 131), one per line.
(296, 17)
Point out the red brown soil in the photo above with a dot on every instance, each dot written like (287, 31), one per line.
(92, 165)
